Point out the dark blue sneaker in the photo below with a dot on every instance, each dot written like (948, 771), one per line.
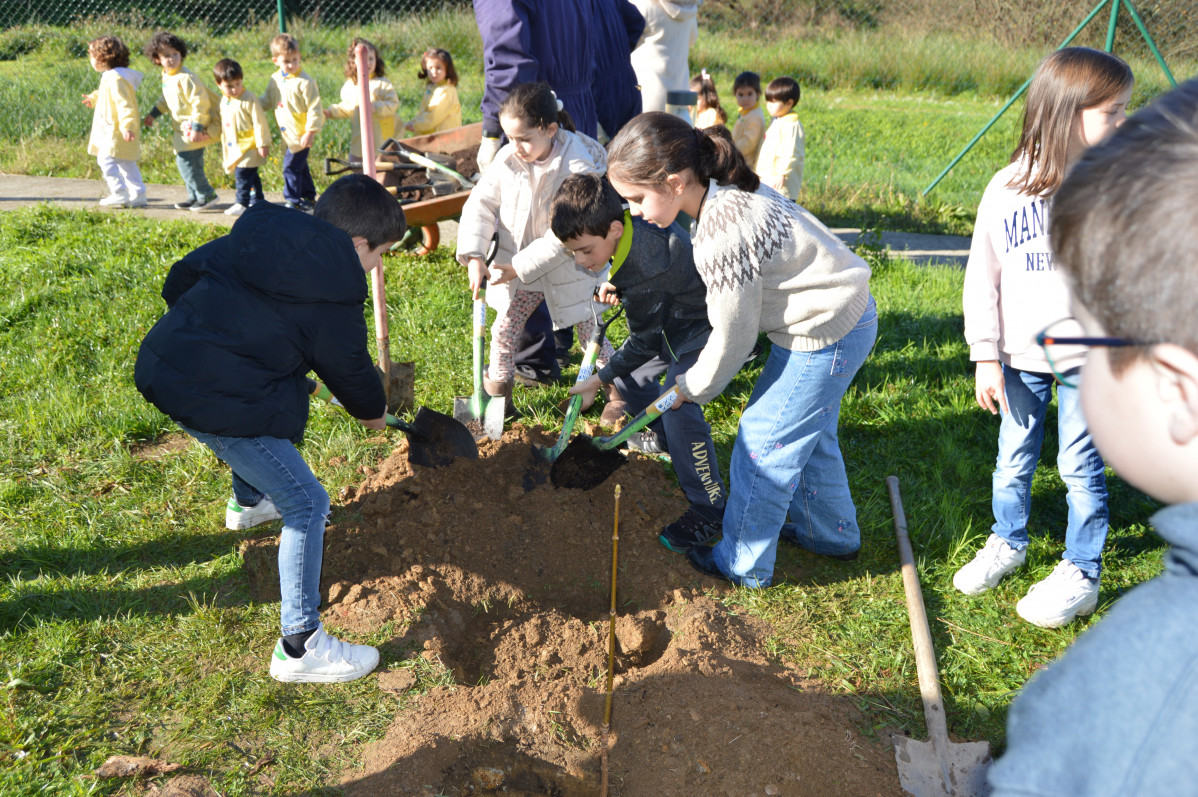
(690, 530)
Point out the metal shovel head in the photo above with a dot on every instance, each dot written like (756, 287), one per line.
(436, 440)
(485, 421)
(583, 466)
(958, 770)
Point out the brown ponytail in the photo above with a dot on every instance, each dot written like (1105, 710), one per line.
(654, 145)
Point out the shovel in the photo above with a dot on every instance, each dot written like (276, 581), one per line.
(480, 412)
(587, 462)
(590, 355)
(937, 767)
(434, 439)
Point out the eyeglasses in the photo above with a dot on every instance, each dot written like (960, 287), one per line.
(1066, 354)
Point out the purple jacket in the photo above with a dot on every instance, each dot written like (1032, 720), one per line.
(523, 42)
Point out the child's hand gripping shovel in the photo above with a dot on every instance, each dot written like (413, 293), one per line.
(434, 439)
(481, 410)
(587, 462)
(584, 373)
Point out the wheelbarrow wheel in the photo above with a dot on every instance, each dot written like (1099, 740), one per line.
(430, 239)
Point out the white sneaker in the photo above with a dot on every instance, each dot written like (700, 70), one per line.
(326, 660)
(1056, 600)
(236, 209)
(114, 200)
(138, 201)
(988, 566)
(238, 517)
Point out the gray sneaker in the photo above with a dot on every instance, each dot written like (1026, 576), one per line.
(647, 442)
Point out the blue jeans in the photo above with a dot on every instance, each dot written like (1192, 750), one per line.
(1020, 436)
(297, 177)
(247, 185)
(273, 466)
(786, 459)
(191, 169)
(684, 431)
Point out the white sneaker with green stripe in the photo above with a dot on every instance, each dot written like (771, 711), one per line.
(238, 517)
(326, 660)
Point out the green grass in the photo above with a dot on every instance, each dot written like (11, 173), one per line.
(125, 621)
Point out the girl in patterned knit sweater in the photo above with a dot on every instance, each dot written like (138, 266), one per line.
(769, 266)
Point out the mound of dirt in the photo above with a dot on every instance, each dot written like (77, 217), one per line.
(486, 567)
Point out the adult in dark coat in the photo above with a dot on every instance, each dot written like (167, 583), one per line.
(249, 315)
(525, 41)
(618, 29)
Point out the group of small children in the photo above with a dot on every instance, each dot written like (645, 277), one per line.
(776, 153)
(244, 136)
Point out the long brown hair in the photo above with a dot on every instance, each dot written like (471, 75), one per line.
(351, 62)
(1066, 83)
(704, 86)
(537, 106)
(654, 145)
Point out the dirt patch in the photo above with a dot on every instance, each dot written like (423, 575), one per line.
(488, 569)
(160, 447)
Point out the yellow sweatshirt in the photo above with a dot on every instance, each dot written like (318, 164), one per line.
(439, 110)
(115, 104)
(748, 132)
(384, 102)
(296, 103)
(243, 130)
(189, 102)
(782, 154)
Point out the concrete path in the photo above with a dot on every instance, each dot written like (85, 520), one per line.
(18, 190)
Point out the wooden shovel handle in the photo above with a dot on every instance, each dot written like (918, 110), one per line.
(921, 634)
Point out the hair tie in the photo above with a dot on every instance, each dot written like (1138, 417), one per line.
(703, 73)
(560, 106)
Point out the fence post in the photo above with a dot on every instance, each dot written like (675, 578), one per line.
(1110, 28)
(282, 17)
(1160, 59)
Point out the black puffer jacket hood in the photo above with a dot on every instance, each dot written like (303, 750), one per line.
(250, 315)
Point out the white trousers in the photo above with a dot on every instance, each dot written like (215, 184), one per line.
(123, 176)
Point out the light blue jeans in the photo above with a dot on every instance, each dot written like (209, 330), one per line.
(786, 459)
(273, 466)
(1020, 436)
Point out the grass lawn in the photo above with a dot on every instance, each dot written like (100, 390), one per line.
(125, 621)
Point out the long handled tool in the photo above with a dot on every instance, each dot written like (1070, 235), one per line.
(937, 767)
(434, 439)
(393, 147)
(334, 166)
(480, 409)
(611, 639)
(587, 462)
(590, 355)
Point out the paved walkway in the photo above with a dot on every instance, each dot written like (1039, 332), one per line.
(18, 190)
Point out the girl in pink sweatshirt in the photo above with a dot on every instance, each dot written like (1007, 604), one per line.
(1077, 97)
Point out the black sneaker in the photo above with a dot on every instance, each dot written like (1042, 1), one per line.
(185, 205)
(647, 442)
(302, 205)
(531, 377)
(201, 204)
(690, 530)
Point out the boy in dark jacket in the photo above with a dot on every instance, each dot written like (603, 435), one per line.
(665, 303)
(249, 315)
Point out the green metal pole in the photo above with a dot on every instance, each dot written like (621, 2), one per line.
(1010, 102)
(1110, 28)
(282, 17)
(1160, 59)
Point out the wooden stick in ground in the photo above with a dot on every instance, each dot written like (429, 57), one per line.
(366, 121)
(611, 638)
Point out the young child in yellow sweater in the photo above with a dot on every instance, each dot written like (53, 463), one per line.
(749, 129)
(193, 108)
(113, 137)
(440, 109)
(384, 102)
(295, 98)
(244, 135)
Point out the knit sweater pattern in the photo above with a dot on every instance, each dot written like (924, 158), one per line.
(769, 266)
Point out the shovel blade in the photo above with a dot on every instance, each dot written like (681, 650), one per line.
(583, 466)
(957, 770)
(437, 440)
(485, 421)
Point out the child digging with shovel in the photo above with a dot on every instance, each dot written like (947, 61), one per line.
(653, 274)
(250, 314)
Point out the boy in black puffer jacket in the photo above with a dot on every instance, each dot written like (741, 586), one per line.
(653, 275)
(249, 315)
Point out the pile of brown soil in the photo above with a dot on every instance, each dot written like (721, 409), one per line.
(465, 163)
(510, 588)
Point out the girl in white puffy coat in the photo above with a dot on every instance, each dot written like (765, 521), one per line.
(513, 199)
